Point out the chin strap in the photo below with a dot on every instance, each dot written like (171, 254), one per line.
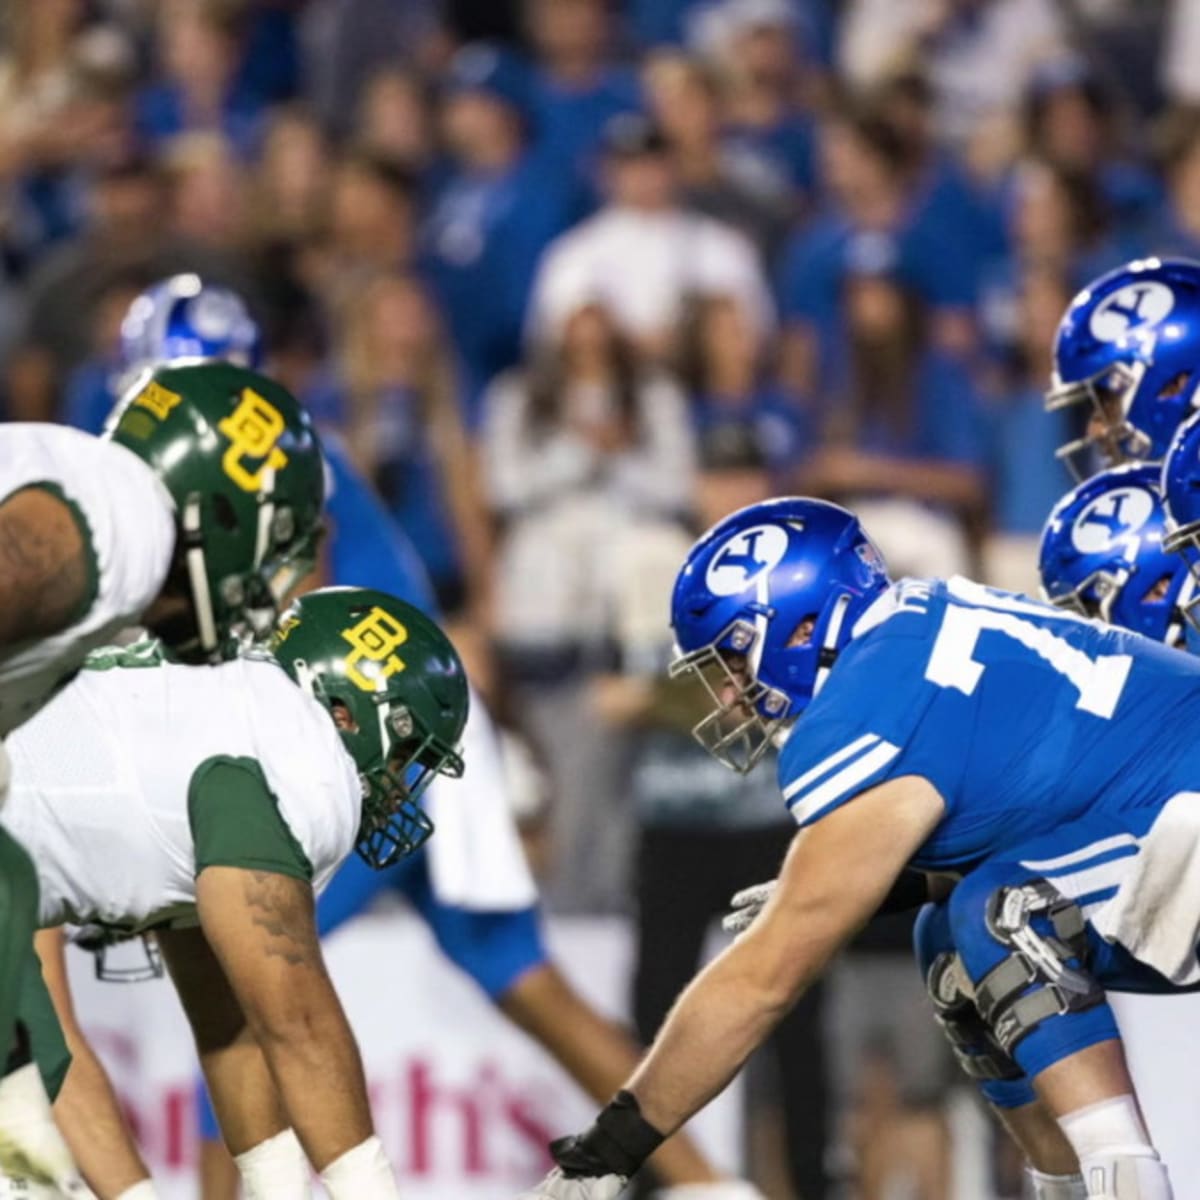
(206, 624)
(829, 647)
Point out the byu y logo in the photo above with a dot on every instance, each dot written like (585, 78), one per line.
(1111, 518)
(252, 428)
(1132, 310)
(745, 558)
(375, 639)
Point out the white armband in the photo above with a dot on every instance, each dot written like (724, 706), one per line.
(363, 1173)
(275, 1169)
(140, 1191)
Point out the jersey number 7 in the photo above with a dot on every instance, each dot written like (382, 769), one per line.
(1099, 681)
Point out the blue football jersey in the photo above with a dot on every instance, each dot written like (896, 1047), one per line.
(1032, 723)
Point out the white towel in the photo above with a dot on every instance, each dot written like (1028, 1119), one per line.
(1155, 914)
(475, 855)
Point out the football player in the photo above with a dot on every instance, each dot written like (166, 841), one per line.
(498, 944)
(200, 503)
(212, 806)
(1104, 554)
(1127, 357)
(960, 730)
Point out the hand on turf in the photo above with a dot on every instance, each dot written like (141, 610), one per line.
(556, 1186)
(746, 906)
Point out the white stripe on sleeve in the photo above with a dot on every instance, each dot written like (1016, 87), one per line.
(827, 764)
(809, 804)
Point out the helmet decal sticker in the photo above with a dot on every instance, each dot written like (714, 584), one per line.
(1131, 311)
(158, 399)
(1110, 518)
(374, 639)
(252, 428)
(745, 558)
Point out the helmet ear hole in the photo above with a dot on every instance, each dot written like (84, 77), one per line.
(343, 718)
(1174, 386)
(802, 634)
(224, 512)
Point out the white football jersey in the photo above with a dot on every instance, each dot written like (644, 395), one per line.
(131, 530)
(101, 779)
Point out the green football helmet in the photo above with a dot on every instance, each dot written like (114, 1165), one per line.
(243, 465)
(396, 690)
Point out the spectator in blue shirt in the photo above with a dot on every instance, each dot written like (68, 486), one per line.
(1026, 478)
(1071, 120)
(200, 50)
(715, 178)
(501, 204)
(740, 416)
(758, 51)
(875, 218)
(575, 85)
(1054, 218)
(1176, 227)
(903, 431)
(393, 393)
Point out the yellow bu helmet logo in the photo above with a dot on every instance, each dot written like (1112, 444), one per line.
(252, 428)
(374, 639)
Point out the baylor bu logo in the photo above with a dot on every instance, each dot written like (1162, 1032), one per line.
(252, 428)
(374, 638)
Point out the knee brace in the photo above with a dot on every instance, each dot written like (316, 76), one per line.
(977, 1049)
(1044, 974)
(1002, 1083)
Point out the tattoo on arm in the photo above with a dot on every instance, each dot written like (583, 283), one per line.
(43, 566)
(276, 908)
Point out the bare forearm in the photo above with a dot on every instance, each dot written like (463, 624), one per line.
(319, 1073)
(722, 1017)
(86, 1109)
(598, 1055)
(90, 1118)
(243, 1092)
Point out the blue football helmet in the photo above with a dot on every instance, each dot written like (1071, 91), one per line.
(1102, 554)
(1180, 484)
(185, 318)
(1128, 347)
(763, 605)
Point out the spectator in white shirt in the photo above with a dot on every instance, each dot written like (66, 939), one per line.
(643, 255)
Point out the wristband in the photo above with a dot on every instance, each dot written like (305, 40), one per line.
(618, 1142)
(274, 1170)
(363, 1173)
(144, 1190)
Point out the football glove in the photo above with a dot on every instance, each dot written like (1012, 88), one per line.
(746, 906)
(556, 1186)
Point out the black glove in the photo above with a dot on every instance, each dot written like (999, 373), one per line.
(618, 1142)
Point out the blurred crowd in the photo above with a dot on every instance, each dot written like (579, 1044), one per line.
(572, 279)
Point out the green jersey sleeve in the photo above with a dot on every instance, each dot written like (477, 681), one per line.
(236, 822)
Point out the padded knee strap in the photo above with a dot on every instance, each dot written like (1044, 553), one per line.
(978, 1051)
(1036, 980)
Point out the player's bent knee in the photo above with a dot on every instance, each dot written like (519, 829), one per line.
(975, 1047)
(1025, 949)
